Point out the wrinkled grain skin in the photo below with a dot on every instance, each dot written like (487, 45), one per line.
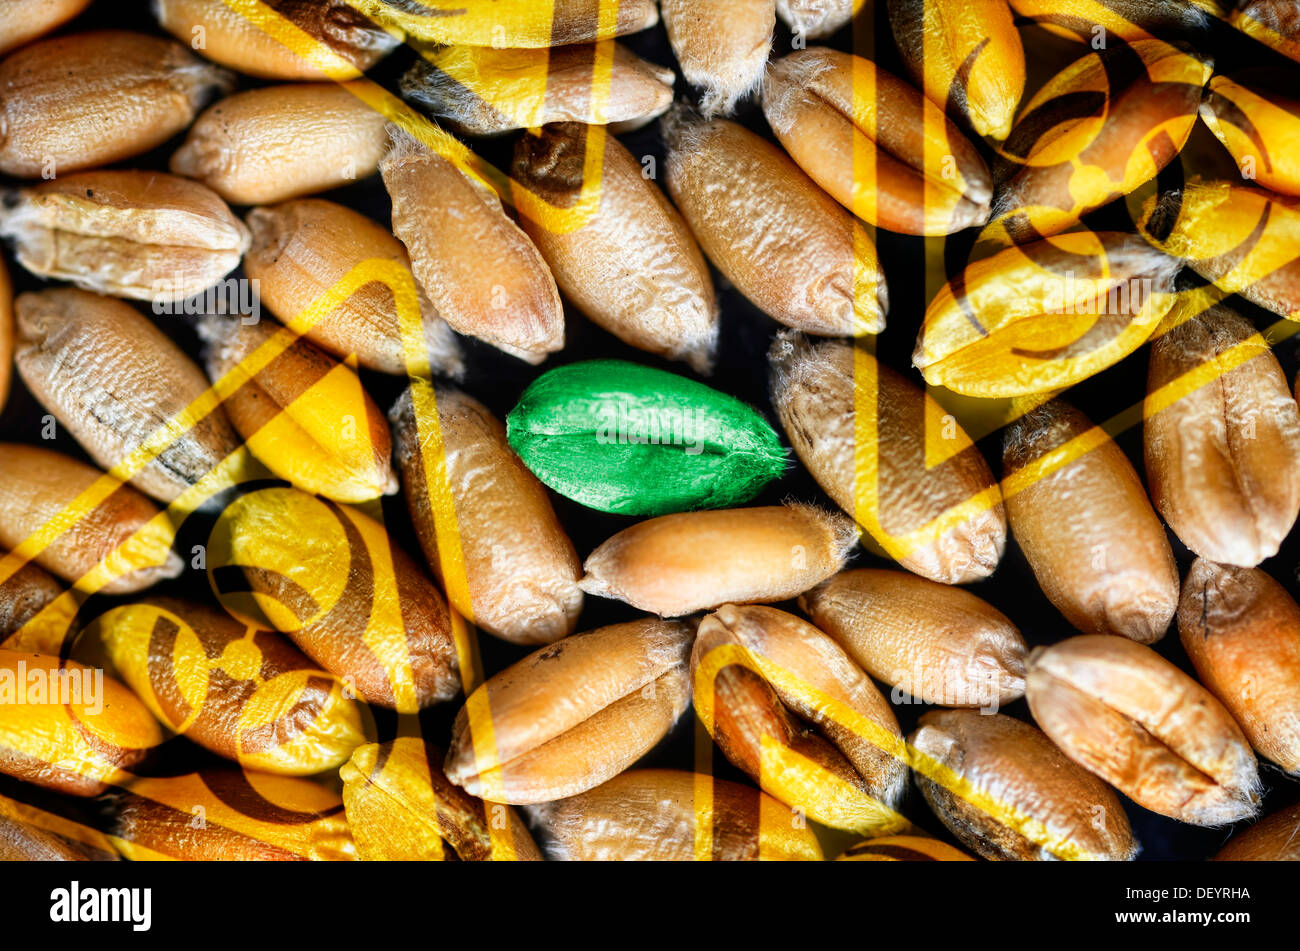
(903, 848)
(782, 241)
(837, 776)
(233, 40)
(1275, 23)
(268, 145)
(966, 56)
(521, 567)
(721, 46)
(301, 249)
(1125, 713)
(1223, 462)
(1241, 239)
(247, 816)
(254, 699)
(650, 815)
(816, 19)
(1044, 315)
(1256, 115)
(25, 20)
(330, 578)
(1242, 631)
(573, 714)
(450, 226)
(1070, 160)
(692, 561)
(113, 379)
(934, 642)
(23, 595)
(69, 747)
(401, 808)
(304, 415)
(1127, 19)
(813, 392)
(483, 91)
(1026, 777)
(20, 842)
(143, 235)
(36, 485)
(633, 267)
(90, 99)
(1086, 528)
(514, 24)
(879, 147)
(1274, 838)
(6, 333)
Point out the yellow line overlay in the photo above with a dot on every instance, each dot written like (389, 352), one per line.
(154, 540)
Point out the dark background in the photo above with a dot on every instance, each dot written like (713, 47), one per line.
(497, 380)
